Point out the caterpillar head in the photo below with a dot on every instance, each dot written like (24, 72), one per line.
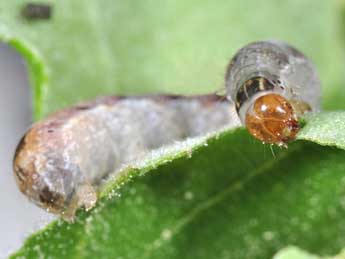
(272, 119)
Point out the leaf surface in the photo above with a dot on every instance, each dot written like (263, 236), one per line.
(293, 252)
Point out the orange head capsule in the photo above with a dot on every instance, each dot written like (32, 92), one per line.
(271, 119)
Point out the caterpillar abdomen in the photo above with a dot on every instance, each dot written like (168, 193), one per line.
(61, 160)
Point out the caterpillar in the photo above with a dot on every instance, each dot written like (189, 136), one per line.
(61, 161)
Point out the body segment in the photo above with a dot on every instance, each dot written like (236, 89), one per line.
(61, 160)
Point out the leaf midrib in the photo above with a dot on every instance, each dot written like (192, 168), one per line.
(215, 199)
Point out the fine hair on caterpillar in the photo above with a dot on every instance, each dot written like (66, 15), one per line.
(61, 160)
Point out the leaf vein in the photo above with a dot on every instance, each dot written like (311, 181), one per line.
(213, 200)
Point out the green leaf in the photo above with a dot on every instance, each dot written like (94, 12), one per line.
(292, 252)
(225, 196)
(224, 201)
(325, 129)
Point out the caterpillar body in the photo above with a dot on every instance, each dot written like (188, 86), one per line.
(61, 161)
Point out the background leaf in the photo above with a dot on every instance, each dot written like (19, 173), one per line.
(231, 199)
(94, 47)
(297, 253)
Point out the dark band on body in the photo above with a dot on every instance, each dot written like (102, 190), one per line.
(250, 88)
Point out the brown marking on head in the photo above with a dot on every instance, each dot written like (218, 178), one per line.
(23, 166)
(51, 200)
(272, 120)
(28, 177)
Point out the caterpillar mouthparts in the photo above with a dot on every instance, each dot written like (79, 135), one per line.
(61, 161)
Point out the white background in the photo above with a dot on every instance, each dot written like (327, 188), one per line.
(18, 217)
